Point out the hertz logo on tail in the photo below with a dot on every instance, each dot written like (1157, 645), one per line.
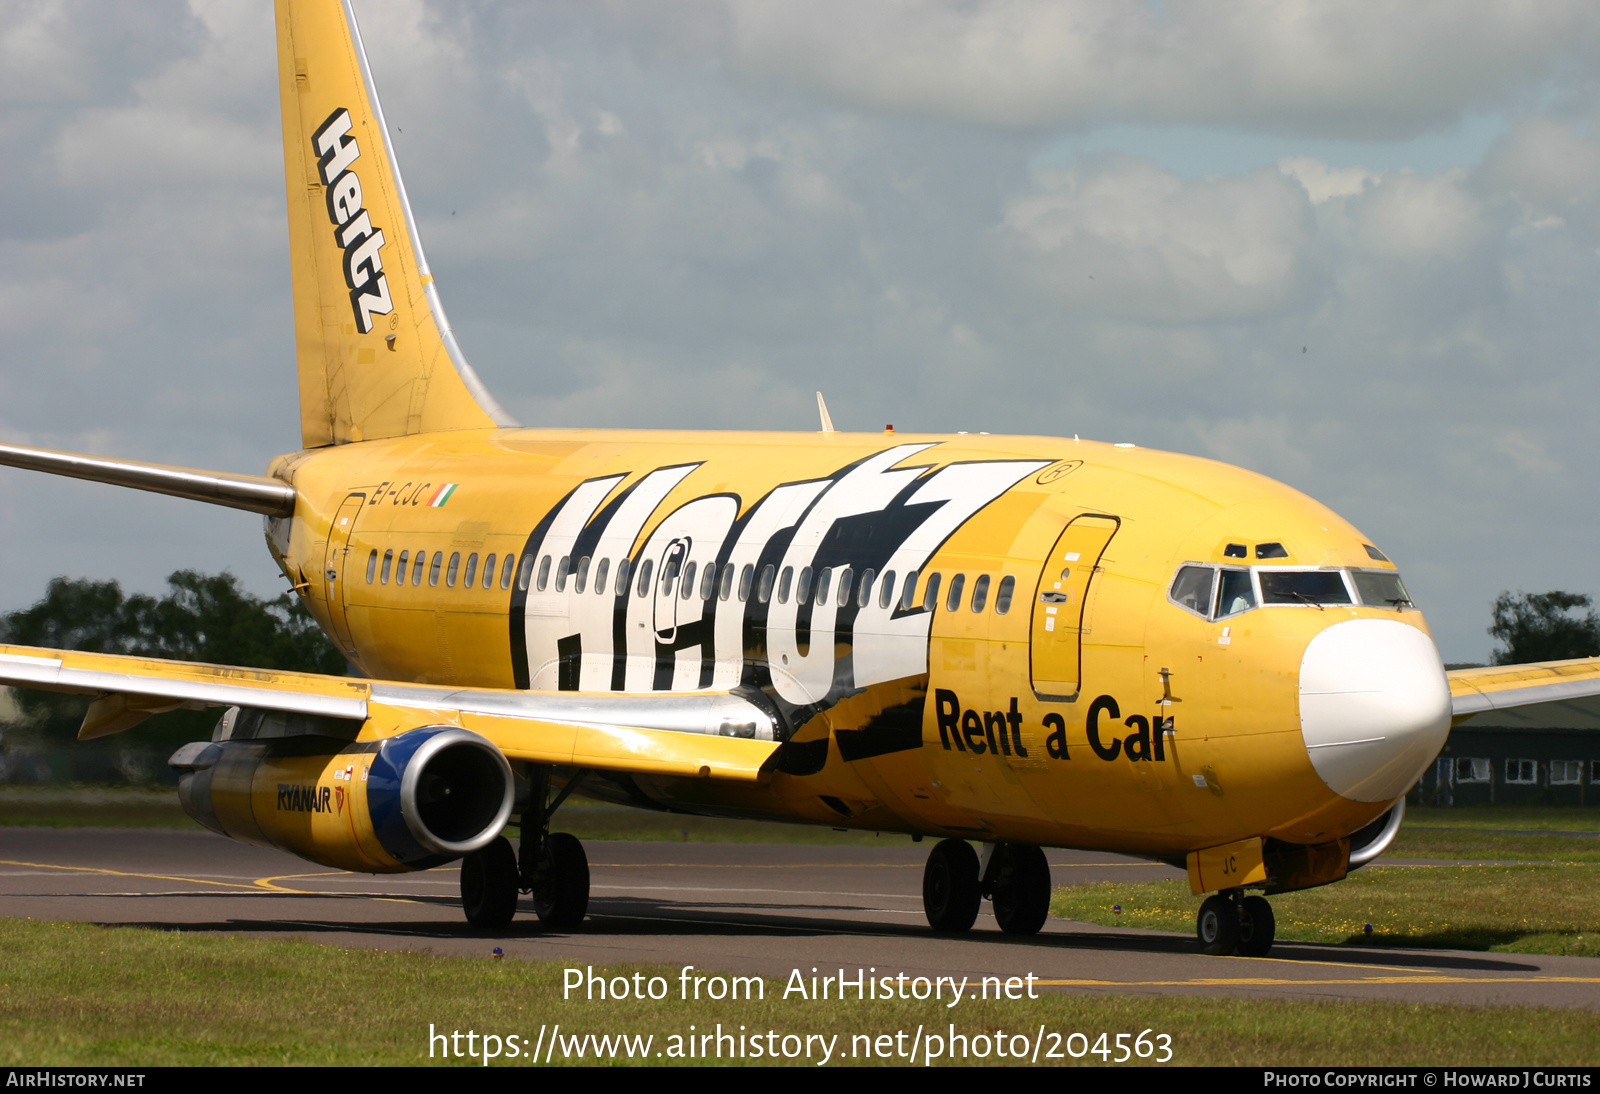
(363, 244)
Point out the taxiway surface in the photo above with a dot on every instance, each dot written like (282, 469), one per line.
(748, 908)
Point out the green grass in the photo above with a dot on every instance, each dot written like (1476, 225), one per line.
(79, 807)
(1549, 909)
(75, 994)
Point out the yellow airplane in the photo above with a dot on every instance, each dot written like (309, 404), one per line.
(1019, 642)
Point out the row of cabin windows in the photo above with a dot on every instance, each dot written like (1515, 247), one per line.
(840, 583)
(1525, 772)
(389, 567)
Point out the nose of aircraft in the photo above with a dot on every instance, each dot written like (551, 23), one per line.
(1374, 707)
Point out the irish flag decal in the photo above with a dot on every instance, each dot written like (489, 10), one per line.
(442, 495)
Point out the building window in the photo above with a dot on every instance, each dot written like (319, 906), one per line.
(1566, 772)
(1522, 772)
(1465, 769)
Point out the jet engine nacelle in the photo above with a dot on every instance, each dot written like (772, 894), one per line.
(407, 802)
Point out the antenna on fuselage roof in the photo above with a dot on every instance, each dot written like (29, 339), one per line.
(822, 408)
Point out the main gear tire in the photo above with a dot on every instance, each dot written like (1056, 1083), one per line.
(561, 891)
(950, 890)
(1021, 889)
(489, 885)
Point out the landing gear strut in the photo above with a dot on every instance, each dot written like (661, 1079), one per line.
(554, 868)
(1231, 922)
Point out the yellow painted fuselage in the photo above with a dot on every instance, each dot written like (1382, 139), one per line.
(1133, 726)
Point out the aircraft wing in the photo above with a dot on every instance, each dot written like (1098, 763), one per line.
(719, 735)
(1498, 687)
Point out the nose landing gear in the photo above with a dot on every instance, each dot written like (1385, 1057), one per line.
(1231, 922)
(1015, 877)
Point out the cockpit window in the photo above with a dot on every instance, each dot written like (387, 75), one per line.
(1237, 594)
(1271, 550)
(1381, 589)
(1192, 589)
(1373, 552)
(1311, 587)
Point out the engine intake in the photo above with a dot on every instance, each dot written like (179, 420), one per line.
(407, 802)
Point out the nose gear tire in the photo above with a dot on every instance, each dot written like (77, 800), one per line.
(950, 892)
(1217, 926)
(1257, 926)
(489, 884)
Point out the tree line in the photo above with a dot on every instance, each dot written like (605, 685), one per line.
(202, 617)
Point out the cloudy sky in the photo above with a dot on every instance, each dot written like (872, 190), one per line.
(1352, 246)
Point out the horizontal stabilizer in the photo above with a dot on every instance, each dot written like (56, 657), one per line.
(255, 493)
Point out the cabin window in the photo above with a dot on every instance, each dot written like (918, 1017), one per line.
(725, 590)
(908, 593)
(544, 574)
(1192, 588)
(688, 581)
(563, 568)
(886, 589)
(1381, 589)
(523, 574)
(980, 593)
(846, 578)
(708, 580)
(1236, 595)
(785, 581)
(1002, 595)
(747, 577)
(1469, 769)
(471, 573)
(451, 570)
(802, 591)
(400, 570)
(953, 600)
(824, 582)
(1312, 588)
(864, 589)
(644, 576)
(580, 581)
(372, 566)
(764, 593)
(600, 574)
(930, 592)
(624, 568)
(1522, 772)
(433, 570)
(488, 571)
(670, 569)
(417, 562)
(1566, 772)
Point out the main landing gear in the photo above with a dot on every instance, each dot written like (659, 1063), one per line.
(552, 868)
(1014, 876)
(1231, 922)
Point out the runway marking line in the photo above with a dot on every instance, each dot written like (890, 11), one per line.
(122, 873)
(267, 883)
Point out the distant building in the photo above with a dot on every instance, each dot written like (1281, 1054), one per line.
(1547, 754)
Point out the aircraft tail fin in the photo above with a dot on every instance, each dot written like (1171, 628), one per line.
(375, 353)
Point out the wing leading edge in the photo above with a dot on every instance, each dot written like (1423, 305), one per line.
(718, 736)
(1500, 687)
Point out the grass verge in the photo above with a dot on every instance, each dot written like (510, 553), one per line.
(74, 994)
(1549, 909)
